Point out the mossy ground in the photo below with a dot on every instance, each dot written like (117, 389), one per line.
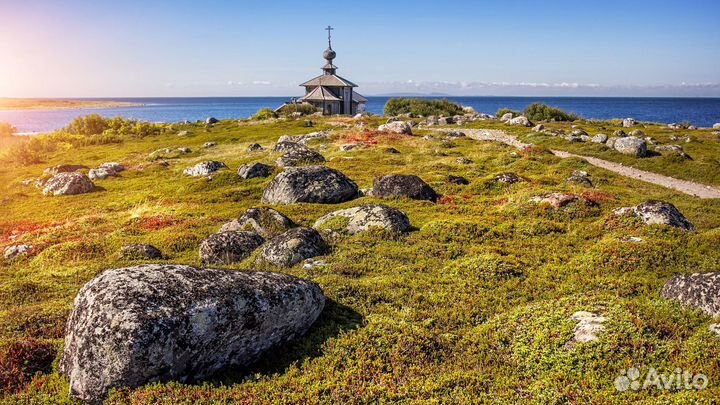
(472, 306)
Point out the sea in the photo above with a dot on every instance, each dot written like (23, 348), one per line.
(701, 112)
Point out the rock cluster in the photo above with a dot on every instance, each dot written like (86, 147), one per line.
(106, 170)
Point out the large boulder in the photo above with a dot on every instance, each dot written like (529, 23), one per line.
(403, 185)
(310, 184)
(520, 121)
(507, 117)
(657, 213)
(599, 138)
(68, 183)
(632, 146)
(155, 323)
(264, 221)
(253, 170)
(363, 218)
(292, 247)
(140, 251)
(299, 157)
(205, 168)
(396, 127)
(229, 247)
(696, 290)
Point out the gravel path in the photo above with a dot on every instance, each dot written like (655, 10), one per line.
(684, 186)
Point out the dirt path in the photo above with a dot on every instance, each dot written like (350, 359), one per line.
(684, 186)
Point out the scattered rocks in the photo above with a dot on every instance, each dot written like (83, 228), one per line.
(559, 200)
(140, 251)
(299, 157)
(521, 121)
(211, 120)
(264, 221)
(629, 122)
(459, 180)
(507, 178)
(363, 218)
(157, 323)
(403, 185)
(589, 326)
(12, 252)
(580, 178)
(292, 247)
(68, 183)
(229, 247)
(255, 147)
(599, 138)
(204, 168)
(396, 127)
(310, 184)
(631, 146)
(254, 170)
(695, 290)
(657, 213)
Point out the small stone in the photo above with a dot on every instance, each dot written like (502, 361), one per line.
(459, 180)
(211, 120)
(580, 178)
(599, 138)
(204, 168)
(619, 133)
(589, 326)
(558, 200)
(140, 251)
(100, 173)
(507, 178)
(463, 161)
(209, 145)
(396, 127)
(254, 147)
(539, 128)
(391, 150)
(114, 166)
(12, 252)
(629, 122)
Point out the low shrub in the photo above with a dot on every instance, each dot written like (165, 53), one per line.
(542, 112)
(21, 359)
(6, 130)
(304, 108)
(264, 114)
(504, 111)
(422, 107)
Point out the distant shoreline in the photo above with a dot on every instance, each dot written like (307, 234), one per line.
(28, 104)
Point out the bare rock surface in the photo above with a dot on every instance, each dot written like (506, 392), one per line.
(264, 221)
(695, 290)
(657, 213)
(363, 218)
(310, 184)
(156, 323)
(589, 326)
(396, 127)
(68, 183)
(403, 185)
(229, 247)
(292, 247)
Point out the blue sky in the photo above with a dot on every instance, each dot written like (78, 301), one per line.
(249, 48)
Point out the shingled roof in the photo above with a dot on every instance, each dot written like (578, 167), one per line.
(330, 81)
(320, 93)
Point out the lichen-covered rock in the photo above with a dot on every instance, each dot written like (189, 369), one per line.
(507, 178)
(695, 290)
(588, 328)
(140, 251)
(559, 200)
(396, 127)
(363, 218)
(580, 178)
(299, 157)
(51, 171)
(599, 138)
(632, 146)
(629, 122)
(303, 139)
(264, 221)
(403, 185)
(459, 180)
(254, 147)
(211, 120)
(520, 121)
(507, 117)
(207, 145)
(11, 252)
(292, 247)
(101, 173)
(253, 170)
(114, 166)
(287, 146)
(657, 213)
(68, 183)
(155, 323)
(229, 247)
(310, 184)
(204, 168)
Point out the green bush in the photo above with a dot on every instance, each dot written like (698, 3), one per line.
(421, 107)
(92, 124)
(504, 111)
(6, 129)
(304, 108)
(542, 112)
(264, 114)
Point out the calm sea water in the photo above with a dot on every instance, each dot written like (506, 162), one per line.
(703, 112)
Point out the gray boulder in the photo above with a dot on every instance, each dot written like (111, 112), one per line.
(695, 290)
(363, 218)
(629, 122)
(68, 183)
(114, 166)
(211, 120)
(11, 252)
(310, 184)
(299, 157)
(101, 173)
(657, 213)
(599, 138)
(292, 247)
(631, 146)
(156, 323)
(506, 117)
(229, 247)
(254, 147)
(51, 171)
(396, 127)
(264, 221)
(580, 178)
(507, 178)
(520, 121)
(288, 146)
(204, 168)
(253, 170)
(140, 251)
(403, 185)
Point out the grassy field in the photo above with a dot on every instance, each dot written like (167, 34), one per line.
(473, 306)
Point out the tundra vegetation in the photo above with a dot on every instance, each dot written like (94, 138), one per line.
(474, 304)
(421, 107)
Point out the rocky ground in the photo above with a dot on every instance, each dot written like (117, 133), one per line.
(423, 265)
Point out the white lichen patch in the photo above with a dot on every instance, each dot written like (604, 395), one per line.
(590, 325)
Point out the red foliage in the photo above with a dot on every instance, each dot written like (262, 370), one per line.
(446, 199)
(598, 197)
(10, 232)
(21, 359)
(157, 222)
(367, 137)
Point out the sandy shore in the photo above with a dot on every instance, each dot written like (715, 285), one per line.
(58, 104)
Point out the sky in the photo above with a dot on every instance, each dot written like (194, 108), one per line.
(155, 48)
